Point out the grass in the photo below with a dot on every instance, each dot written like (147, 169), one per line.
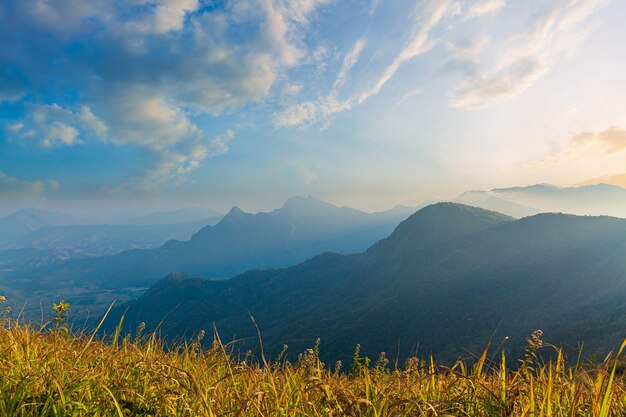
(55, 371)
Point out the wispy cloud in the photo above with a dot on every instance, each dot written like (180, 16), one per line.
(407, 96)
(554, 33)
(15, 190)
(173, 164)
(483, 7)
(465, 57)
(305, 113)
(614, 179)
(419, 43)
(349, 61)
(584, 144)
(373, 7)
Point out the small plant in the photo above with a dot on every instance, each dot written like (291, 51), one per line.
(359, 364)
(4, 315)
(381, 365)
(62, 315)
(533, 344)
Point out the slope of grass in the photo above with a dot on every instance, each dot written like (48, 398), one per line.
(58, 372)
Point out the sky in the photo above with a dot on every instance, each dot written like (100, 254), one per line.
(112, 105)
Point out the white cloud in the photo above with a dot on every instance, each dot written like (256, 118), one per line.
(407, 96)
(419, 43)
(53, 125)
(170, 15)
(59, 133)
(136, 116)
(174, 163)
(613, 139)
(10, 92)
(179, 61)
(306, 113)
(373, 7)
(349, 61)
(311, 111)
(15, 127)
(484, 7)
(465, 57)
(291, 89)
(587, 144)
(556, 32)
(14, 190)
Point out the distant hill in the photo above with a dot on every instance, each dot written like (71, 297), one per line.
(449, 278)
(300, 229)
(596, 200)
(56, 243)
(486, 200)
(19, 224)
(184, 215)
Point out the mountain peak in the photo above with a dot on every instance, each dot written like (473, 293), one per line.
(235, 211)
(298, 202)
(438, 223)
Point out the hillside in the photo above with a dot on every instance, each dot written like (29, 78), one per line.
(447, 279)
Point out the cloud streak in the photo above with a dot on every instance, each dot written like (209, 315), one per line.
(554, 33)
(419, 43)
(484, 7)
(309, 112)
(584, 144)
(349, 61)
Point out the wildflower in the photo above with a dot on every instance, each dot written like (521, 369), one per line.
(412, 364)
(338, 365)
(535, 339)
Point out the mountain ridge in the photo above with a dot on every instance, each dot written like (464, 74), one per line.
(509, 276)
(300, 229)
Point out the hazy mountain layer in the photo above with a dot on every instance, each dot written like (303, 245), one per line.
(600, 199)
(23, 222)
(184, 215)
(100, 240)
(448, 278)
(302, 228)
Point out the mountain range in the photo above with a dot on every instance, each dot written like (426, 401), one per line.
(598, 199)
(184, 215)
(21, 223)
(303, 227)
(446, 281)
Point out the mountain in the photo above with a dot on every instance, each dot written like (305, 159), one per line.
(184, 215)
(300, 229)
(56, 243)
(486, 200)
(21, 223)
(449, 278)
(596, 200)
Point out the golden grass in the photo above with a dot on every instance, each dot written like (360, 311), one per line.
(60, 373)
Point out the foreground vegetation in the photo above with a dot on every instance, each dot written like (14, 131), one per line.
(56, 371)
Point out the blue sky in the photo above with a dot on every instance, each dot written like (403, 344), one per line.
(115, 104)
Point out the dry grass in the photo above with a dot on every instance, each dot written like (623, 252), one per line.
(59, 372)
